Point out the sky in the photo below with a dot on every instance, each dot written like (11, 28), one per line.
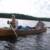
(37, 8)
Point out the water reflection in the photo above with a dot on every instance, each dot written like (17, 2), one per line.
(38, 41)
(10, 45)
(32, 42)
(42, 41)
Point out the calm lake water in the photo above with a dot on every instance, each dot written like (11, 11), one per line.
(31, 42)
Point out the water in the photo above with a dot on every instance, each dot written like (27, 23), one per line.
(31, 42)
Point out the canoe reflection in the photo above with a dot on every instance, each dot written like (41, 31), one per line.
(10, 46)
(38, 40)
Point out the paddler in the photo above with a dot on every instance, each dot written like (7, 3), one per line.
(13, 23)
(40, 25)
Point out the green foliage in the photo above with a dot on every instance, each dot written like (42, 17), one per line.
(22, 16)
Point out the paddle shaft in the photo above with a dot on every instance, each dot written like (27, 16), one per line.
(13, 30)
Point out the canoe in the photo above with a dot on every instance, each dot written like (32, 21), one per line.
(8, 33)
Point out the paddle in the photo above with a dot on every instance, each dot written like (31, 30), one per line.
(13, 30)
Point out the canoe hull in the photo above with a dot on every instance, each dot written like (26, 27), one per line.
(10, 33)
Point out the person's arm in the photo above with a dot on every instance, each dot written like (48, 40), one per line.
(8, 22)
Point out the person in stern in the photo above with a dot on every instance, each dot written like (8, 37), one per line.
(40, 25)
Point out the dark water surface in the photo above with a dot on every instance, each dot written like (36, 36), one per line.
(31, 42)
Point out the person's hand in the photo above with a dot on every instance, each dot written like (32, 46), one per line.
(8, 22)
